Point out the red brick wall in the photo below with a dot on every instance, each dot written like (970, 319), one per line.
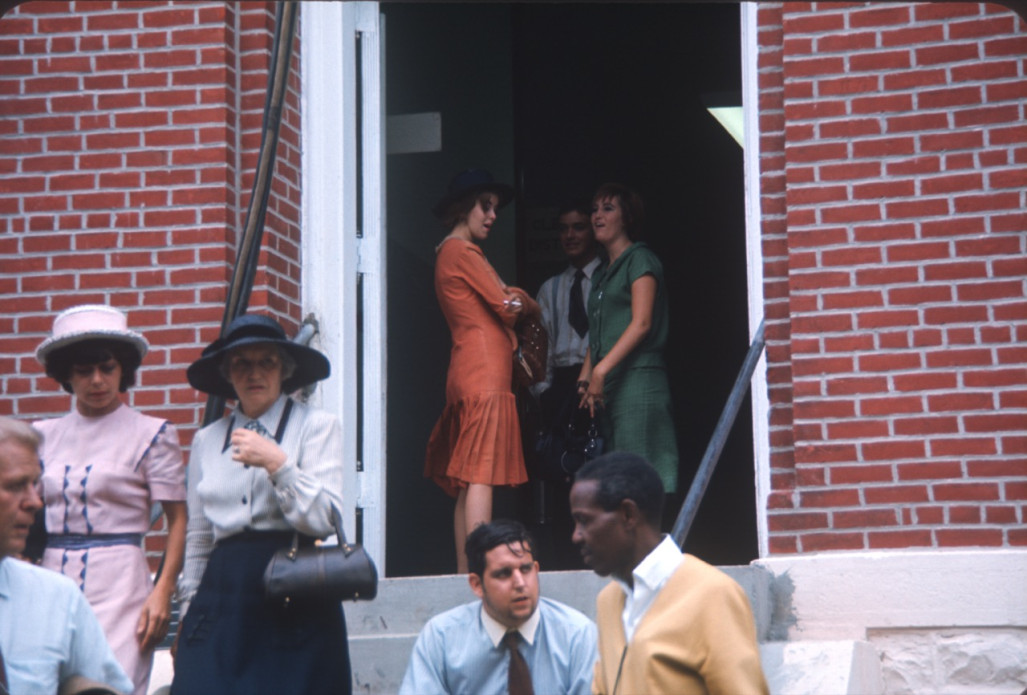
(893, 199)
(895, 244)
(129, 134)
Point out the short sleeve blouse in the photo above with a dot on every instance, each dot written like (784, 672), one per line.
(609, 308)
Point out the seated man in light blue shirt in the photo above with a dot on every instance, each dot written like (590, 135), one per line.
(466, 650)
(49, 635)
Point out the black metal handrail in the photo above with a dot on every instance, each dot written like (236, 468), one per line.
(248, 254)
(690, 507)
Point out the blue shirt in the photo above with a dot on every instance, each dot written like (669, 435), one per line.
(48, 633)
(454, 654)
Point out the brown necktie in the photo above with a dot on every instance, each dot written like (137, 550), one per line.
(519, 682)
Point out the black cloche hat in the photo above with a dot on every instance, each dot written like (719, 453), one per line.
(472, 181)
(205, 373)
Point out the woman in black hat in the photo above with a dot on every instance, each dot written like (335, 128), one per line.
(476, 443)
(270, 467)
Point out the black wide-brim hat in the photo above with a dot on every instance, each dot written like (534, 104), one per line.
(472, 181)
(252, 329)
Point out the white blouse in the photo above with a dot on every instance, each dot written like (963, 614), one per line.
(226, 497)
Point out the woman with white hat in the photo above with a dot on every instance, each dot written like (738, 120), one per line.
(270, 467)
(104, 465)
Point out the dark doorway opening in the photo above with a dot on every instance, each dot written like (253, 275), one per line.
(600, 92)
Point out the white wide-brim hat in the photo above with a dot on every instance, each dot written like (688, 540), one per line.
(89, 322)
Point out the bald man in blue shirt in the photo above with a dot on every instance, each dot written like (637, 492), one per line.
(48, 633)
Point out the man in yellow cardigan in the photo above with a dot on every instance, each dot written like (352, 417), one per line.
(669, 622)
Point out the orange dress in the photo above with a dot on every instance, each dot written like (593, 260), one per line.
(478, 437)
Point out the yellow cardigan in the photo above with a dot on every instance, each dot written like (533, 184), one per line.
(698, 637)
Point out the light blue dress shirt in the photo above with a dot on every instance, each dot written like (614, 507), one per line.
(454, 654)
(48, 633)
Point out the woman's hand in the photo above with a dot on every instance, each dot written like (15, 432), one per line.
(584, 378)
(154, 620)
(513, 304)
(254, 449)
(520, 303)
(592, 391)
(643, 299)
(527, 304)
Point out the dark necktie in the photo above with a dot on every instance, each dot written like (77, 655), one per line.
(576, 315)
(519, 679)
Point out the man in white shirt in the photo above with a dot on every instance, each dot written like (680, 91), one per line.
(564, 300)
(510, 641)
(669, 622)
(49, 635)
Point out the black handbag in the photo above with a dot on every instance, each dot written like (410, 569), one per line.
(562, 449)
(321, 573)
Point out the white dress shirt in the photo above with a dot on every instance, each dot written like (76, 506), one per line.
(497, 630)
(566, 347)
(648, 578)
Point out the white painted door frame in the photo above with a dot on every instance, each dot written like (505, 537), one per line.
(754, 266)
(341, 251)
(343, 240)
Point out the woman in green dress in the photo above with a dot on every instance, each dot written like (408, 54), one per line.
(624, 378)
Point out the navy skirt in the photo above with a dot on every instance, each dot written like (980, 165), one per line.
(232, 642)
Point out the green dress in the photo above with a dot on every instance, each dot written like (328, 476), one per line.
(637, 416)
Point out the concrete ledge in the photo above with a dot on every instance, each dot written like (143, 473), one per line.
(822, 668)
(379, 662)
(842, 596)
(382, 632)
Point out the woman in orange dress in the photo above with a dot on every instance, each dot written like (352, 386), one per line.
(476, 443)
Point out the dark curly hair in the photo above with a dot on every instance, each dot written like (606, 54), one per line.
(488, 536)
(60, 362)
(625, 476)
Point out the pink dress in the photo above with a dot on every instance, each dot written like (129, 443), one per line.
(100, 476)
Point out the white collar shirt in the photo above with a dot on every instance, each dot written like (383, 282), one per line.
(648, 578)
(566, 347)
(496, 630)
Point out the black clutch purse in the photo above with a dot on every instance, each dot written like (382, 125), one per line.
(321, 573)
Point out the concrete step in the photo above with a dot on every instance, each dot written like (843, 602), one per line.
(382, 634)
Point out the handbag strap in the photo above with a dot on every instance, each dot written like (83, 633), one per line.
(339, 533)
